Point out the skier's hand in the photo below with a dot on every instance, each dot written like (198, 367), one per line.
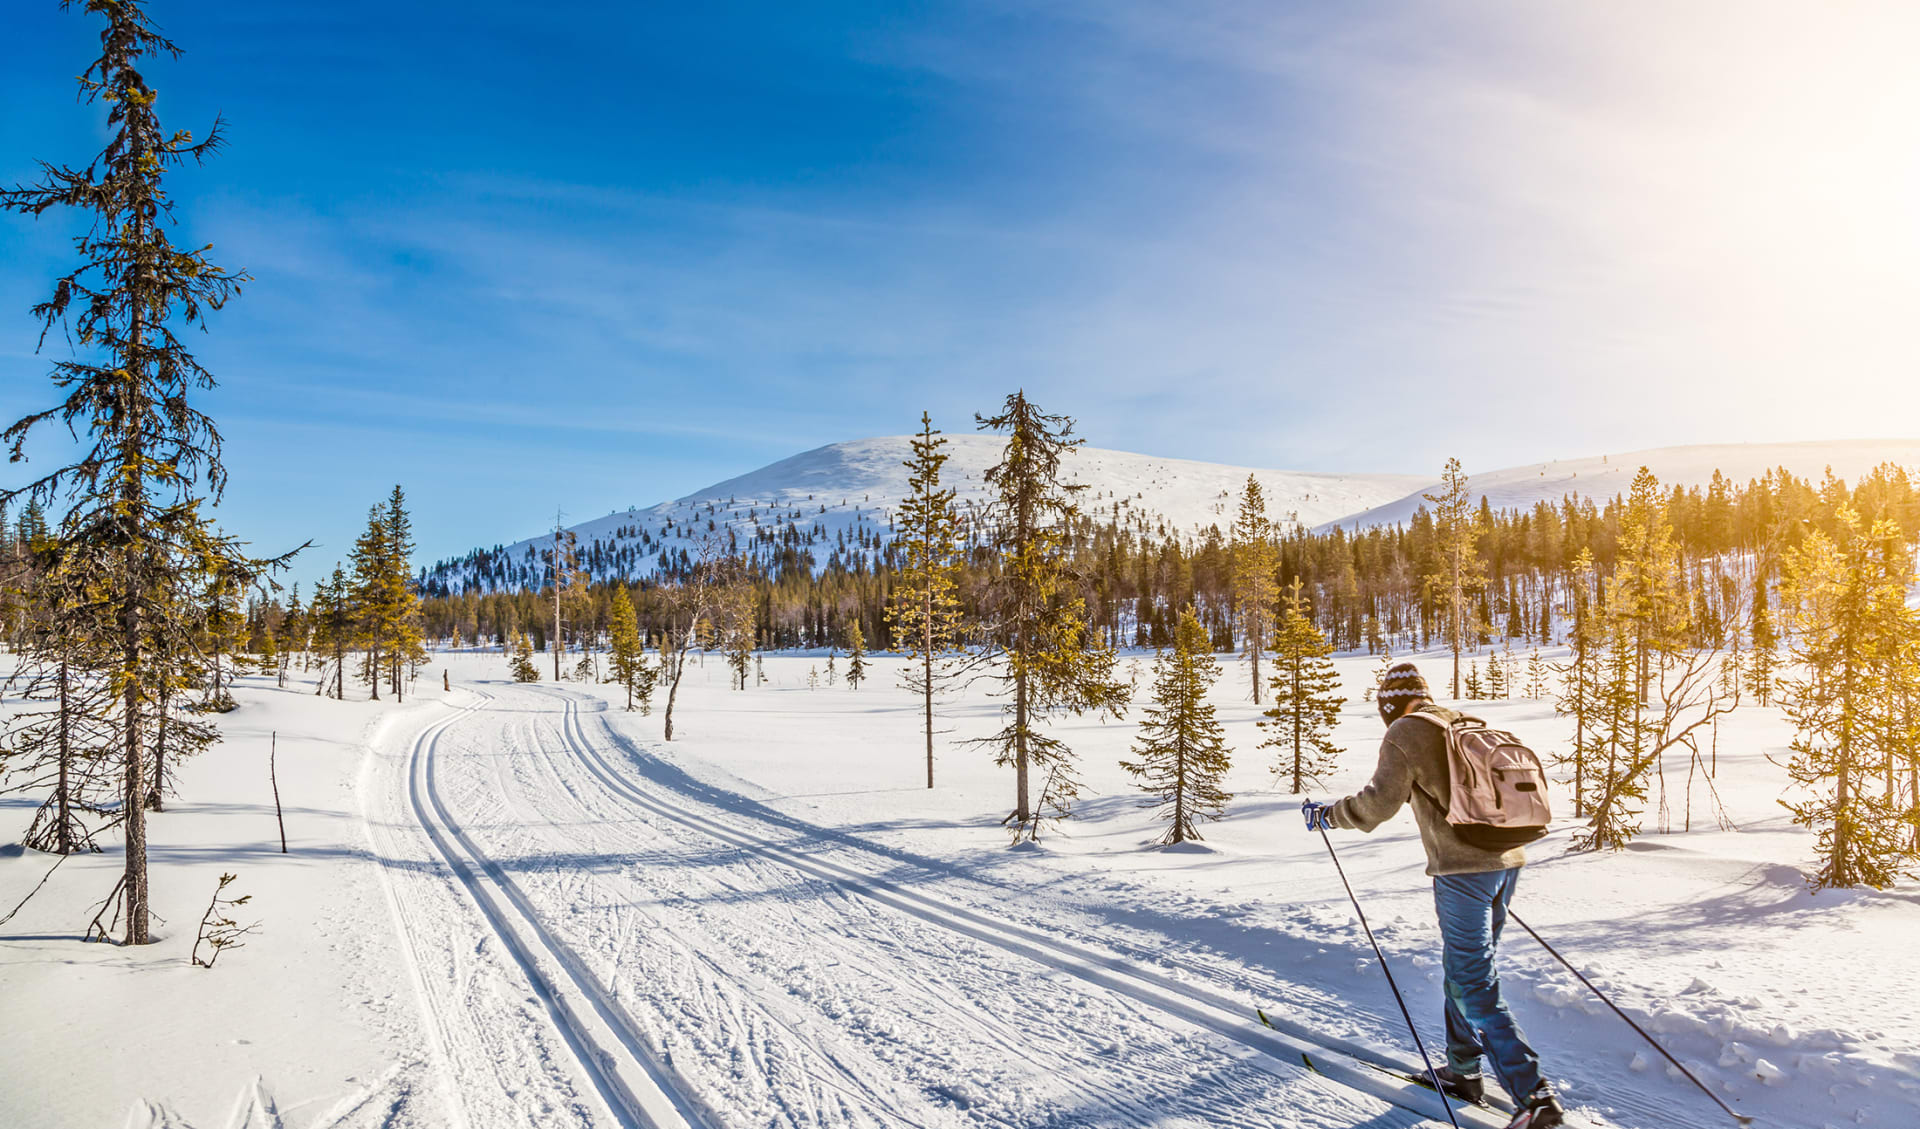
(1316, 815)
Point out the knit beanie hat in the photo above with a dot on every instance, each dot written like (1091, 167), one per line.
(1398, 686)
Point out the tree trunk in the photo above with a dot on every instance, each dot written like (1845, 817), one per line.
(63, 832)
(1022, 811)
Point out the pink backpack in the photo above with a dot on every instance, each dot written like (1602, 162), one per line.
(1497, 790)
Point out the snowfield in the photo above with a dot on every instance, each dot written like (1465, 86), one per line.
(514, 905)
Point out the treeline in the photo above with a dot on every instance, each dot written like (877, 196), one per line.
(1366, 590)
(1676, 603)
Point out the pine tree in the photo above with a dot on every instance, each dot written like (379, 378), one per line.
(1306, 698)
(1762, 661)
(736, 620)
(523, 666)
(833, 657)
(370, 561)
(1853, 632)
(628, 661)
(1647, 617)
(1580, 696)
(333, 629)
(1475, 691)
(63, 741)
(1255, 560)
(399, 602)
(856, 655)
(1461, 573)
(1496, 677)
(1181, 753)
(1053, 660)
(924, 613)
(1536, 676)
(146, 457)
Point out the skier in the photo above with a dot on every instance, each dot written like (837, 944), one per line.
(1471, 889)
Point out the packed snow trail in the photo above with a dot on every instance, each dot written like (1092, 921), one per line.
(628, 939)
(647, 957)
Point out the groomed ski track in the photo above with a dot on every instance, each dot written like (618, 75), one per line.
(598, 940)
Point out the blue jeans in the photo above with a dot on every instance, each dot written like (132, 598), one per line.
(1472, 908)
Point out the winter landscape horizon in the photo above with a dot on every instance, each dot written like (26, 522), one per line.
(960, 566)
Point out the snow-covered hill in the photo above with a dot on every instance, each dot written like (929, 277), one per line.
(842, 497)
(846, 493)
(1606, 476)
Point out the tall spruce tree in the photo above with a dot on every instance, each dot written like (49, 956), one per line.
(924, 613)
(146, 456)
(1255, 560)
(1306, 698)
(1052, 660)
(1461, 574)
(399, 602)
(1647, 622)
(1181, 755)
(628, 658)
(1853, 633)
(1580, 681)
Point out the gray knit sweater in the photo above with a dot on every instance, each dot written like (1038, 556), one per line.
(1413, 766)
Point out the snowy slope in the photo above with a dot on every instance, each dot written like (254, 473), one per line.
(1605, 476)
(848, 490)
(846, 493)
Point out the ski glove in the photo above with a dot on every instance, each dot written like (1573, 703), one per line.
(1316, 815)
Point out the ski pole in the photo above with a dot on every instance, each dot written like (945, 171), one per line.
(1397, 998)
(1651, 1041)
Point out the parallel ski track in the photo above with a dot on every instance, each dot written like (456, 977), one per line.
(1232, 1019)
(638, 1089)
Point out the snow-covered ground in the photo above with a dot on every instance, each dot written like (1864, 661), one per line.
(514, 905)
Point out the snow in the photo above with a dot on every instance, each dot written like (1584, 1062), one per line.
(515, 905)
(847, 490)
(1606, 476)
(855, 487)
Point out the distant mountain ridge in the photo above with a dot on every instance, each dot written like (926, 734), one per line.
(840, 499)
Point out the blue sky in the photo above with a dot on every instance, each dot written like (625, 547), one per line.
(519, 257)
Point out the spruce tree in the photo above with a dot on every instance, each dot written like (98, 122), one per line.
(399, 603)
(1647, 621)
(1181, 755)
(856, 655)
(1051, 659)
(63, 741)
(370, 561)
(1580, 680)
(1475, 691)
(1255, 559)
(1762, 661)
(1306, 698)
(523, 667)
(924, 613)
(146, 457)
(1853, 633)
(627, 661)
(1461, 574)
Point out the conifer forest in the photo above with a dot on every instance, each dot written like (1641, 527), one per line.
(982, 731)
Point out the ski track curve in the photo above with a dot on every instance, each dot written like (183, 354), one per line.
(895, 937)
(777, 997)
(1215, 998)
(634, 1089)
